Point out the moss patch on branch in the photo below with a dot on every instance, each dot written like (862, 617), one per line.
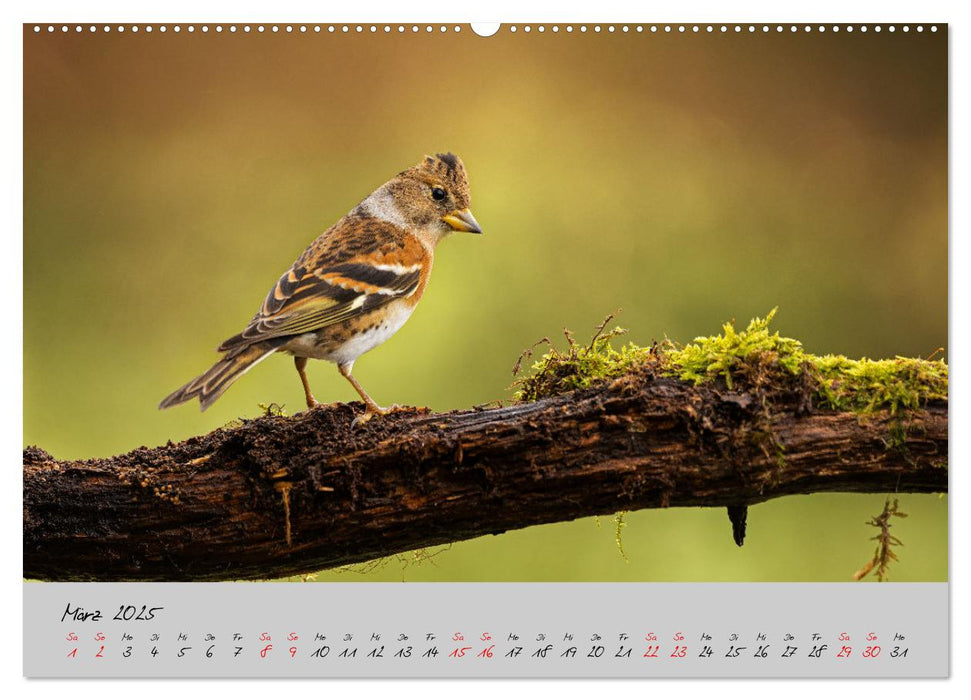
(581, 365)
(754, 358)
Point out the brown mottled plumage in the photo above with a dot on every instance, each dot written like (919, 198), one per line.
(354, 286)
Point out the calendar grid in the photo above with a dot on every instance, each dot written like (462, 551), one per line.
(485, 630)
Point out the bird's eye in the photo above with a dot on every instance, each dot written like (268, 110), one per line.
(438, 194)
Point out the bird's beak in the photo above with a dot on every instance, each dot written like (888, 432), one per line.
(462, 220)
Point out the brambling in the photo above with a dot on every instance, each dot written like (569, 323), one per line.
(354, 286)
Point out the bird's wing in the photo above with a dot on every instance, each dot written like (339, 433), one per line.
(331, 283)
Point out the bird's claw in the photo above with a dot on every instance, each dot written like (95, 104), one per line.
(320, 404)
(376, 411)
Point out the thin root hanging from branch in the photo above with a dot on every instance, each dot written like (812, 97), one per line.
(884, 554)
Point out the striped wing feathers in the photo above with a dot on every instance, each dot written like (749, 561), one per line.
(322, 290)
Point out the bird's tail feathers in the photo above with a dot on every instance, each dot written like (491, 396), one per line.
(210, 385)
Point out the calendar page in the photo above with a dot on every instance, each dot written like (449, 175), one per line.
(579, 350)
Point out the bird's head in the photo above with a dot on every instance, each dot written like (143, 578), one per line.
(432, 197)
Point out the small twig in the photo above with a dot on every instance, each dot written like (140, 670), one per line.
(600, 329)
(528, 353)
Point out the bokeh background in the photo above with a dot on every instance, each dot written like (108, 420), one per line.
(687, 179)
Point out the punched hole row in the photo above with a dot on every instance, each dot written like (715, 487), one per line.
(428, 28)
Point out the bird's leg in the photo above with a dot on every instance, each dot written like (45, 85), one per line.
(301, 363)
(372, 407)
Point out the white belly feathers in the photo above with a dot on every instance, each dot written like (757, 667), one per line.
(306, 345)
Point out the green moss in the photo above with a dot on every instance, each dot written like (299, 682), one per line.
(896, 435)
(838, 382)
(868, 385)
(581, 365)
(273, 409)
(754, 358)
(734, 354)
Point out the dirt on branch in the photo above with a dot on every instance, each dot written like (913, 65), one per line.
(281, 496)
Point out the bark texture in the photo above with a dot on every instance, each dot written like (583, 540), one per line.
(282, 496)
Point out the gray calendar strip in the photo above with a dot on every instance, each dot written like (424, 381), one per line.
(485, 630)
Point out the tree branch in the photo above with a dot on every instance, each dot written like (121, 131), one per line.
(282, 496)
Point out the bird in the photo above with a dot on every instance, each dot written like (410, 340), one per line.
(353, 287)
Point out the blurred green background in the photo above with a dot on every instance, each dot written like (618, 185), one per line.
(688, 179)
